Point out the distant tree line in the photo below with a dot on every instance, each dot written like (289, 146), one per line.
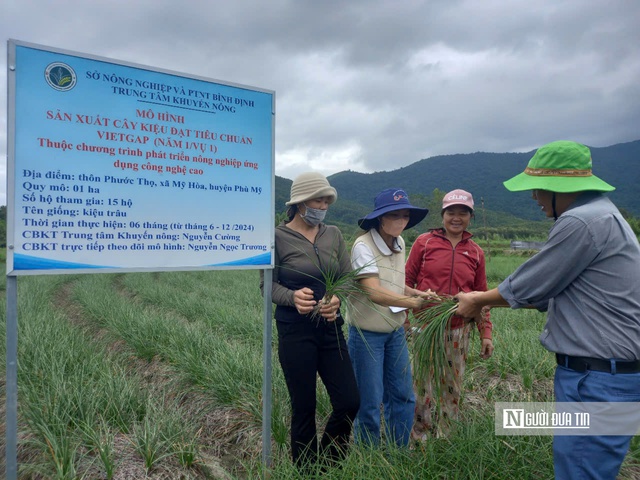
(485, 226)
(494, 226)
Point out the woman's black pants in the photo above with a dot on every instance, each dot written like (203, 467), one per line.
(306, 349)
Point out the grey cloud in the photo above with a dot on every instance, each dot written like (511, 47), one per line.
(388, 82)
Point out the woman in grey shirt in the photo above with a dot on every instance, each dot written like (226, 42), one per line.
(310, 337)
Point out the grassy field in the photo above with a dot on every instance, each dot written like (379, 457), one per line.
(159, 375)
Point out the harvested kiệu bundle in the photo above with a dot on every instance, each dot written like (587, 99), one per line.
(431, 327)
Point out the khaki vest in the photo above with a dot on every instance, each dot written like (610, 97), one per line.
(362, 312)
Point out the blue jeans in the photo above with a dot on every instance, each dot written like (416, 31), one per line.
(592, 457)
(383, 373)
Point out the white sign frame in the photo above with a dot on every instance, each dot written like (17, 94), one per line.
(119, 167)
(251, 223)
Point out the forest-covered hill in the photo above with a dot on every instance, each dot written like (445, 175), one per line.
(482, 174)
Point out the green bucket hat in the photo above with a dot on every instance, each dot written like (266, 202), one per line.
(560, 166)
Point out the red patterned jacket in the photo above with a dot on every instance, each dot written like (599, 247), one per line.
(434, 263)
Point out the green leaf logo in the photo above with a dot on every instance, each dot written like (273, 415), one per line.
(60, 76)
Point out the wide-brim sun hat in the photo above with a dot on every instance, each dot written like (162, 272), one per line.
(457, 197)
(562, 167)
(389, 200)
(310, 185)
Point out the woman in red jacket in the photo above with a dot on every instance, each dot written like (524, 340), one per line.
(447, 261)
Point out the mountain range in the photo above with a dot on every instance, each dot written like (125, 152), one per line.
(480, 173)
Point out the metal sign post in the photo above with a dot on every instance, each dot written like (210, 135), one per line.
(266, 372)
(11, 450)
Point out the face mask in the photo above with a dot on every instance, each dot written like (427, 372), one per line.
(314, 216)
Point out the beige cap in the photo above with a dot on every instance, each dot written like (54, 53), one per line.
(310, 185)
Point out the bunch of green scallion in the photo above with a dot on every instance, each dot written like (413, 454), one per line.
(430, 328)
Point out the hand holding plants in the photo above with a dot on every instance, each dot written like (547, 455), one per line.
(468, 306)
(329, 308)
(429, 295)
(415, 302)
(303, 300)
(305, 304)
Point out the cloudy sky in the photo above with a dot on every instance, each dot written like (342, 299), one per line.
(371, 85)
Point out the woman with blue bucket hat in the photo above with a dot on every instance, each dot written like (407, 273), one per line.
(376, 313)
